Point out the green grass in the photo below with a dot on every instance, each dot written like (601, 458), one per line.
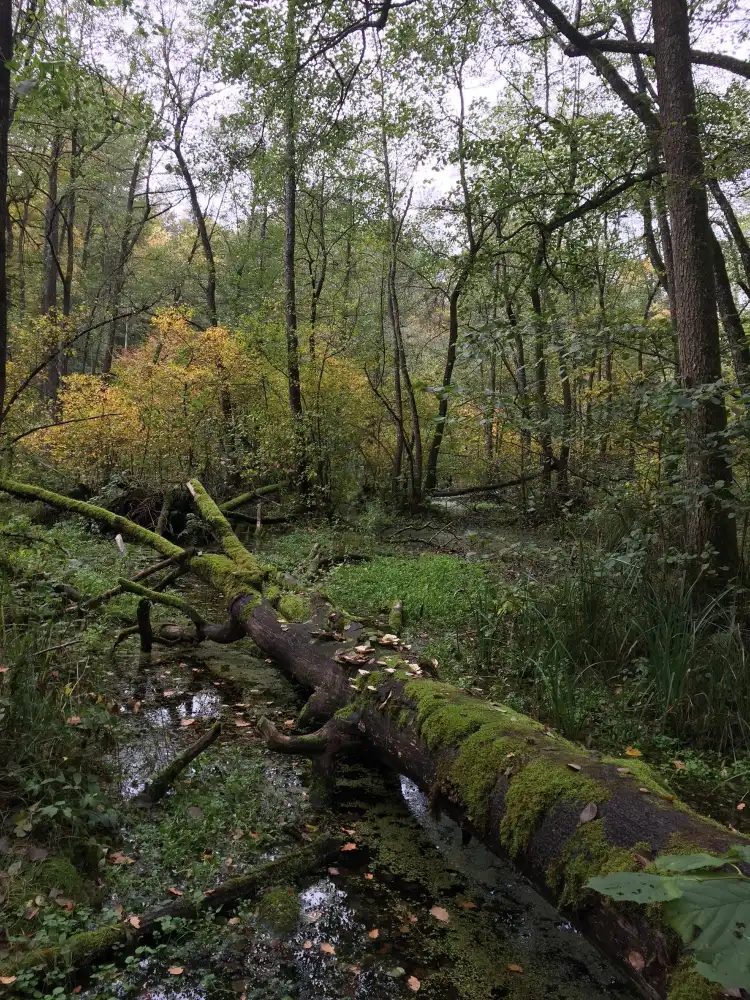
(436, 590)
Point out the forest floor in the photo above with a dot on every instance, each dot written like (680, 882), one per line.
(406, 907)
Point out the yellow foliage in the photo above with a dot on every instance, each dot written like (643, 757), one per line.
(189, 402)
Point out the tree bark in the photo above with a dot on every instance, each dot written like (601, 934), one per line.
(511, 782)
(710, 527)
(730, 317)
(741, 241)
(290, 213)
(6, 55)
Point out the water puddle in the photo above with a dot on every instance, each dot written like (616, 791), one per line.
(362, 927)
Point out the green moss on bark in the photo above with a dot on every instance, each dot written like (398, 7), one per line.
(294, 607)
(587, 855)
(534, 791)
(686, 984)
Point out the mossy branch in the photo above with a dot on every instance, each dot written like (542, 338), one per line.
(128, 529)
(169, 600)
(230, 543)
(160, 784)
(336, 735)
(89, 948)
(107, 595)
(243, 498)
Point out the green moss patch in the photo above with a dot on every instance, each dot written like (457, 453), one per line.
(279, 908)
(534, 791)
(294, 607)
(586, 855)
(686, 984)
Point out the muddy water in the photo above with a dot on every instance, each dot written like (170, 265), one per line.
(410, 909)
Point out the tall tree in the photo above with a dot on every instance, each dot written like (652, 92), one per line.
(710, 521)
(6, 56)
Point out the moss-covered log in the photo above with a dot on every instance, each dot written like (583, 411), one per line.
(249, 497)
(517, 787)
(90, 948)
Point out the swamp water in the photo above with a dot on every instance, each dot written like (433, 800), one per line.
(371, 923)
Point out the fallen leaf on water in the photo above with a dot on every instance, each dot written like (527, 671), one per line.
(73, 720)
(233, 921)
(374, 933)
(439, 913)
(514, 967)
(678, 765)
(333, 871)
(134, 922)
(469, 905)
(307, 945)
(175, 970)
(588, 813)
(174, 892)
(187, 722)
(118, 858)
(413, 983)
(636, 961)
(327, 948)
(632, 752)
(349, 847)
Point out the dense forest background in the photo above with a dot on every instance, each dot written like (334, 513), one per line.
(248, 241)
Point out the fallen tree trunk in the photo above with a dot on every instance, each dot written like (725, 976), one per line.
(462, 491)
(564, 814)
(89, 948)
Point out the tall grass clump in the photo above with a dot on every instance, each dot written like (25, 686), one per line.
(638, 638)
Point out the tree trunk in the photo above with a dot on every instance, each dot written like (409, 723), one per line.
(290, 214)
(741, 241)
(6, 55)
(730, 318)
(508, 780)
(710, 526)
(200, 222)
(52, 260)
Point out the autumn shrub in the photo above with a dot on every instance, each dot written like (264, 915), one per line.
(189, 402)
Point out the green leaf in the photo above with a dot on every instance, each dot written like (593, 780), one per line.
(636, 887)
(678, 863)
(740, 852)
(720, 910)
